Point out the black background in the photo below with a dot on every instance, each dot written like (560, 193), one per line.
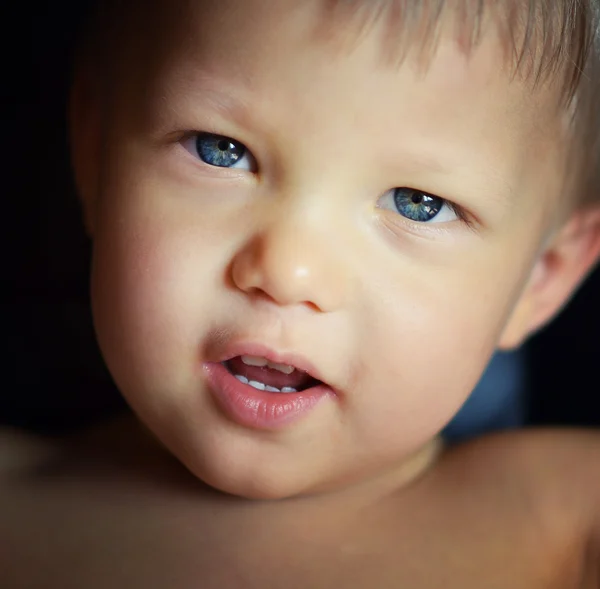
(53, 378)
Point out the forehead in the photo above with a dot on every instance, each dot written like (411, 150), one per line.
(253, 43)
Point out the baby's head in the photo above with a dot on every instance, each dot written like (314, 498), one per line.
(371, 196)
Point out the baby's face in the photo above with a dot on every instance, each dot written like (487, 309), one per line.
(271, 192)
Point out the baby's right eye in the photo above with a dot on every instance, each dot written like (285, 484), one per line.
(220, 151)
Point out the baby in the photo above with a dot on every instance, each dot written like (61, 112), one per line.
(313, 223)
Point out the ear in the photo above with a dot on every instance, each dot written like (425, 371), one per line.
(559, 271)
(85, 137)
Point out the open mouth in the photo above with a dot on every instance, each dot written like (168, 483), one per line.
(264, 375)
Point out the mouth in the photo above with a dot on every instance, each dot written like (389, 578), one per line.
(261, 389)
(263, 375)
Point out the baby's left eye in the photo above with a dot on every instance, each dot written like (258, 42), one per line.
(220, 151)
(418, 206)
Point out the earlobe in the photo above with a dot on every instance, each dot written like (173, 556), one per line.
(557, 274)
(84, 138)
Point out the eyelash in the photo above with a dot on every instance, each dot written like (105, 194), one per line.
(430, 208)
(228, 147)
(225, 146)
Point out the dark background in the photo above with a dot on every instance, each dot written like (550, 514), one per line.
(53, 378)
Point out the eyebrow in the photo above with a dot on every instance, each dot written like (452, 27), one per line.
(221, 97)
(232, 101)
(423, 160)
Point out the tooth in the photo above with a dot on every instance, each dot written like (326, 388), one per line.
(288, 390)
(285, 368)
(257, 385)
(241, 378)
(272, 389)
(254, 361)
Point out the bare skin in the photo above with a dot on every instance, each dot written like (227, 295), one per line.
(111, 509)
(305, 251)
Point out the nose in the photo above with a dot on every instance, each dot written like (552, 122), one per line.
(292, 264)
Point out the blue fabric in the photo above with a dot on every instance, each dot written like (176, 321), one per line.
(498, 401)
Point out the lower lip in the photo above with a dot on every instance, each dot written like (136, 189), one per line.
(256, 409)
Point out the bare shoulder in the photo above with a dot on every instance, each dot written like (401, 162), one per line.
(554, 472)
(116, 448)
(100, 488)
(20, 450)
(535, 444)
(558, 464)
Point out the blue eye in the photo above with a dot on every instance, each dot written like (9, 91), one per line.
(418, 206)
(220, 151)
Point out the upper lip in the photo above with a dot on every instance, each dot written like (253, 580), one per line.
(298, 361)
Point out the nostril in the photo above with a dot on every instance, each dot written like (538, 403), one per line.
(276, 266)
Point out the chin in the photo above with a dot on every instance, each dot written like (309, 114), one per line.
(251, 485)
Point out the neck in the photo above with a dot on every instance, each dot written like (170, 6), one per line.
(378, 487)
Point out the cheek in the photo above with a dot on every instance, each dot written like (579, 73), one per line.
(151, 288)
(433, 339)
